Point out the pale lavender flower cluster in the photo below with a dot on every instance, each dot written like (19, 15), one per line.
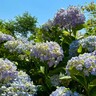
(7, 70)
(69, 18)
(21, 48)
(11, 45)
(20, 86)
(50, 52)
(84, 64)
(89, 44)
(18, 46)
(5, 37)
(63, 91)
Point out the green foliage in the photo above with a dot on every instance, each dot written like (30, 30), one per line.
(90, 25)
(25, 23)
(10, 27)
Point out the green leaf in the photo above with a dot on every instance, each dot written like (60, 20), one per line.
(42, 69)
(79, 49)
(93, 91)
(92, 84)
(65, 77)
(80, 79)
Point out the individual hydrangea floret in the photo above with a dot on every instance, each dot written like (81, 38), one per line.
(50, 52)
(84, 64)
(63, 91)
(7, 70)
(20, 86)
(69, 18)
(5, 37)
(89, 44)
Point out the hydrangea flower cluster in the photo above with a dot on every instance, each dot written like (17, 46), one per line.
(5, 37)
(69, 18)
(63, 91)
(74, 47)
(84, 64)
(21, 48)
(88, 43)
(49, 51)
(7, 71)
(55, 81)
(18, 46)
(11, 45)
(47, 25)
(20, 86)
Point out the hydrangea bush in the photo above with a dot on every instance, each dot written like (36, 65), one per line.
(39, 60)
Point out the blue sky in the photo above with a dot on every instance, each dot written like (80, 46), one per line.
(41, 9)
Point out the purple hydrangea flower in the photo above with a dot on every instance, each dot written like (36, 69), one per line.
(5, 37)
(69, 18)
(7, 70)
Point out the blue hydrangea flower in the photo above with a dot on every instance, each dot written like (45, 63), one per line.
(84, 64)
(89, 44)
(63, 91)
(20, 86)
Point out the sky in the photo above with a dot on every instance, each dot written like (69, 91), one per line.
(41, 9)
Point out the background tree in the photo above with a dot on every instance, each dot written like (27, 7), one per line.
(25, 24)
(90, 25)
